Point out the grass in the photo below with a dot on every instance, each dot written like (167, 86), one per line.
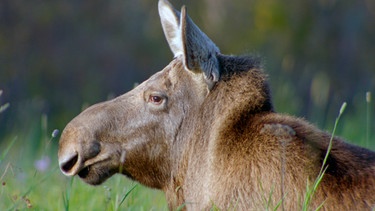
(24, 187)
(368, 117)
(310, 191)
(30, 178)
(4, 106)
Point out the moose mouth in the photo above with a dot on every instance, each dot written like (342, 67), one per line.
(96, 174)
(93, 167)
(84, 172)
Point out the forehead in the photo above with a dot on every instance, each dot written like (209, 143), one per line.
(175, 78)
(174, 73)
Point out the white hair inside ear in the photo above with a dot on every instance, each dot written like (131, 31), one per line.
(170, 19)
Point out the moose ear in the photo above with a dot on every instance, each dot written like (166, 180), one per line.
(170, 20)
(186, 39)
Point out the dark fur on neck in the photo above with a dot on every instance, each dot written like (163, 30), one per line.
(250, 69)
(233, 64)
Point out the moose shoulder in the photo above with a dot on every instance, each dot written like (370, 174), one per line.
(204, 131)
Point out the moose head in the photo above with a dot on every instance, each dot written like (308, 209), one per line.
(133, 134)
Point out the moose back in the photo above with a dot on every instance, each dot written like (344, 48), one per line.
(204, 131)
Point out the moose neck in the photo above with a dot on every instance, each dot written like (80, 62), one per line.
(241, 93)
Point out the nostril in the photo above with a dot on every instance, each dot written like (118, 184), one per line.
(68, 165)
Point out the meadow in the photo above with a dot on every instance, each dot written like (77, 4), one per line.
(30, 177)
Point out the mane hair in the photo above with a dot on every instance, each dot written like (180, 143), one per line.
(233, 64)
(242, 77)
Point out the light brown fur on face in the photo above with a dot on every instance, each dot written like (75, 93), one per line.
(130, 126)
(204, 131)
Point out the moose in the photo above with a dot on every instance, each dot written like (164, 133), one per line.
(204, 131)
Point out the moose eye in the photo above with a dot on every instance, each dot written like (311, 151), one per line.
(155, 99)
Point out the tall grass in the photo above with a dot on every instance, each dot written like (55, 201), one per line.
(66, 195)
(368, 118)
(310, 191)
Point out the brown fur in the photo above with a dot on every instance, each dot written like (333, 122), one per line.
(239, 158)
(215, 143)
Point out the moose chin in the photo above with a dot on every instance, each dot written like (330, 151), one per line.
(204, 131)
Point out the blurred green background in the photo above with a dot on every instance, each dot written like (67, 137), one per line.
(59, 56)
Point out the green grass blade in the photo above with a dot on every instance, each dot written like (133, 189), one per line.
(127, 194)
(342, 109)
(181, 207)
(310, 192)
(66, 195)
(368, 118)
(6, 151)
(4, 107)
